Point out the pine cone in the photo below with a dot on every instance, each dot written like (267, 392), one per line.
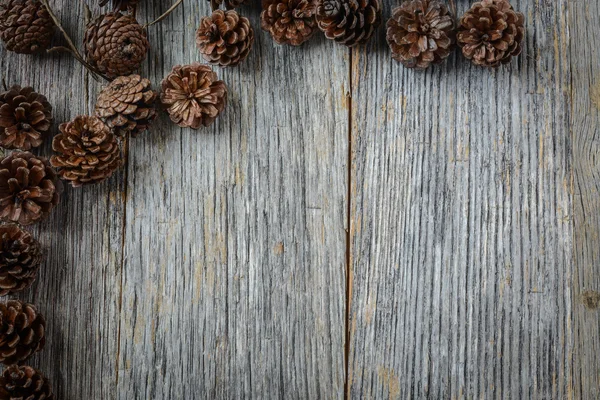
(25, 26)
(229, 4)
(24, 383)
(193, 96)
(121, 5)
(420, 33)
(349, 22)
(225, 38)
(25, 117)
(115, 44)
(29, 188)
(20, 259)
(22, 331)
(88, 152)
(491, 32)
(289, 21)
(127, 105)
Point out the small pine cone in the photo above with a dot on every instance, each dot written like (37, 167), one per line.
(20, 259)
(29, 188)
(225, 38)
(289, 21)
(229, 4)
(349, 22)
(193, 96)
(115, 44)
(121, 5)
(491, 33)
(88, 152)
(25, 26)
(127, 105)
(25, 118)
(24, 383)
(22, 331)
(420, 33)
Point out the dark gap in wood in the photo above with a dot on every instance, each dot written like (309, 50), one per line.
(348, 234)
(123, 233)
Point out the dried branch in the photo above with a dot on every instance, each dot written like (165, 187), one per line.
(165, 15)
(71, 47)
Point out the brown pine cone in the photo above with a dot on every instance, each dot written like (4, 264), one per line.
(193, 96)
(29, 188)
(289, 21)
(229, 4)
(24, 383)
(88, 152)
(121, 5)
(115, 44)
(491, 33)
(420, 33)
(22, 331)
(20, 259)
(127, 105)
(349, 22)
(25, 26)
(25, 117)
(225, 38)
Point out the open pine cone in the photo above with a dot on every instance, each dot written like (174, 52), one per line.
(289, 21)
(420, 33)
(349, 22)
(121, 5)
(225, 38)
(193, 96)
(24, 383)
(491, 33)
(115, 44)
(20, 259)
(88, 152)
(29, 188)
(25, 26)
(127, 105)
(25, 118)
(22, 331)
(229, 4)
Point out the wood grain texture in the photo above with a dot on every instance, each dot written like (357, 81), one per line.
(462, 222)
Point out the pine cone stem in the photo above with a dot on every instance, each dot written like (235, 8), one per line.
(71, 47)
(165, 14)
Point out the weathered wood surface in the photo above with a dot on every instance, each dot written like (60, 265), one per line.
(214, 265)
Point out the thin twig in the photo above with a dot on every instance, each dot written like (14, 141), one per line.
(165, 15)
(70, 44)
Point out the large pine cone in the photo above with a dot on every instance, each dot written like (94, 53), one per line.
(420, 33)
(22, 331)
(229, 4)
(193, 96)
(29, 188)
(289, 21)
(25, 118)
(349, 22)
(491, 32)
(225, 38)
(20, 259)
(115, 44)
(121, 5)
(25, 26)
(88, 152)
(24, 383)
(127, 105)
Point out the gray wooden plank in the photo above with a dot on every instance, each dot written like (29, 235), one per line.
(461, 222)
(233, 283)
(585, 129)
(76, 289)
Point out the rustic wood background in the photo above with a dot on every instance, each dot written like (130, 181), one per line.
(347, 228)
